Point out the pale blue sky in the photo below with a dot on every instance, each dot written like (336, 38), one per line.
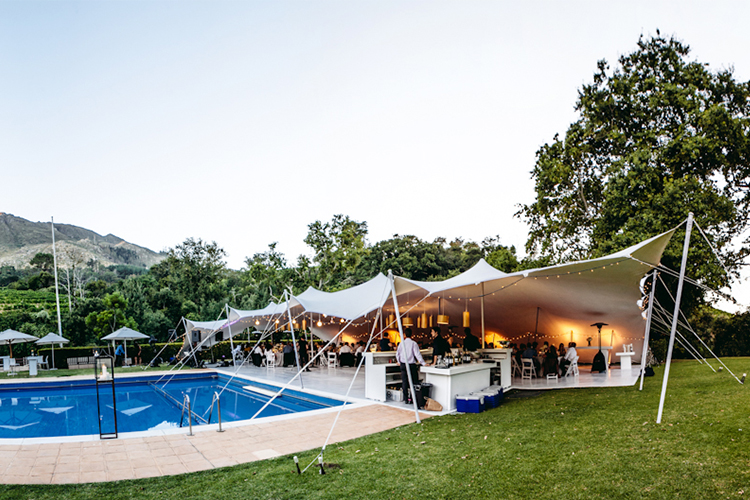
(242, 122)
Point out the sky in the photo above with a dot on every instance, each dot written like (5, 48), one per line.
(244, 122)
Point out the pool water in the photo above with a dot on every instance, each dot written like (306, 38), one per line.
(70, 408)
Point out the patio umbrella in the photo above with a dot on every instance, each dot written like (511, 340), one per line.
(125, 334)
(11, 337)
(52, 339)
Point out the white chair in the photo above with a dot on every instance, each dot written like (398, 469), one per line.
(627, 347)
(333, 360)
(44, 362)
(515, 368)
(529, 370)
(572, 368)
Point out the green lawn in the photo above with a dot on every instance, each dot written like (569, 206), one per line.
(568, 444)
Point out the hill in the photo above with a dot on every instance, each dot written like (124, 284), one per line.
(21, 239)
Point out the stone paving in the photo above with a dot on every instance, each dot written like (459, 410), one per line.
(131, 458)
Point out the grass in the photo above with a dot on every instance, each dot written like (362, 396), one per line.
(81, 371)
(566, 444)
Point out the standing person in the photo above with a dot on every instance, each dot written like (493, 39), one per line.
(407, 356)
(288, 352)
(138, 355)
(256, 354)
(119, 355)
(360, 351)
(304, 356)
(385, 343)
(439, 345)
(471, 343)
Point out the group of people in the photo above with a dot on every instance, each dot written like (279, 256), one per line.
(548, 359)
(348, 353)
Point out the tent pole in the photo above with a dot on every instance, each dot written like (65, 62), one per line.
(482, 305)
(288, 297)
(678, 297)
(401, 338)
(229, 325)
(647, 333)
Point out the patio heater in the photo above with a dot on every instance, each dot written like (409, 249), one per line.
(599, 364)
(105, 384)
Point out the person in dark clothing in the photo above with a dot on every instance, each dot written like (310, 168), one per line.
(440, 346)
(288, 355)
(303, 354)
(550, 362)
(530, 353)
(471, 343)
(409, 358)
(385, 343)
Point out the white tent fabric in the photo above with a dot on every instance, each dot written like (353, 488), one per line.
(350, 303)
(568, 298)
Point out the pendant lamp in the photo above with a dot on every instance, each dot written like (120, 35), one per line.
(424, 320)
(467, 320)
(407, 321)
(443, 319)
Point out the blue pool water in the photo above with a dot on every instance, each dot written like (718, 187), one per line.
(70, 408)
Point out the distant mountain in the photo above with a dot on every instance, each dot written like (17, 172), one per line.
(21, 239)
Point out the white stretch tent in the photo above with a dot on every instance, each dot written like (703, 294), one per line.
(568, 299)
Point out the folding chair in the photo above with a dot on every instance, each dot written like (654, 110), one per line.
(514, 368)
(529, 370)
(333, 360)
(572, 368)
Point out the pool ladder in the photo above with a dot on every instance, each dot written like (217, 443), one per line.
(186, 404)
(216, 400)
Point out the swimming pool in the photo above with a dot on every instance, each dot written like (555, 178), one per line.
(69, 408)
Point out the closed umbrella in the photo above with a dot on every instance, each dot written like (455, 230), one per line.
(125, 334)
(52, 339)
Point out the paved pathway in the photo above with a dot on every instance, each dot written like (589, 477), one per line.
(130, 458)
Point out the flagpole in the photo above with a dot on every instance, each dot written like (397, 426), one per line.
(57, 292)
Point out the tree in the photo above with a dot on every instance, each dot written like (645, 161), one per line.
(658, 137)
(268, 274)
(112, 317)
(42, 261)
(339, 246)
(194, 270)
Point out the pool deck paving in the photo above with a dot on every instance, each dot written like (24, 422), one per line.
(163, 455)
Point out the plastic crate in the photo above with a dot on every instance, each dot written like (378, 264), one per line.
(470, 403)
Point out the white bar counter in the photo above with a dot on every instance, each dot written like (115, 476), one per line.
(447, 383)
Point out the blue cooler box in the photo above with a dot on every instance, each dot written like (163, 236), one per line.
(470, 403)
(499, 390)
(491, 397)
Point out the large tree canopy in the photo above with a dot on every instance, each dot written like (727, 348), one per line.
(658, 137)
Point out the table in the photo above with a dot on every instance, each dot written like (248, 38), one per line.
(503, 358)
(447, 383)
(625, 362)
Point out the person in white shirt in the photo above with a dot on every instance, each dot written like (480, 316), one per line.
(345, 349)
(570, 356)
(409, 358)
